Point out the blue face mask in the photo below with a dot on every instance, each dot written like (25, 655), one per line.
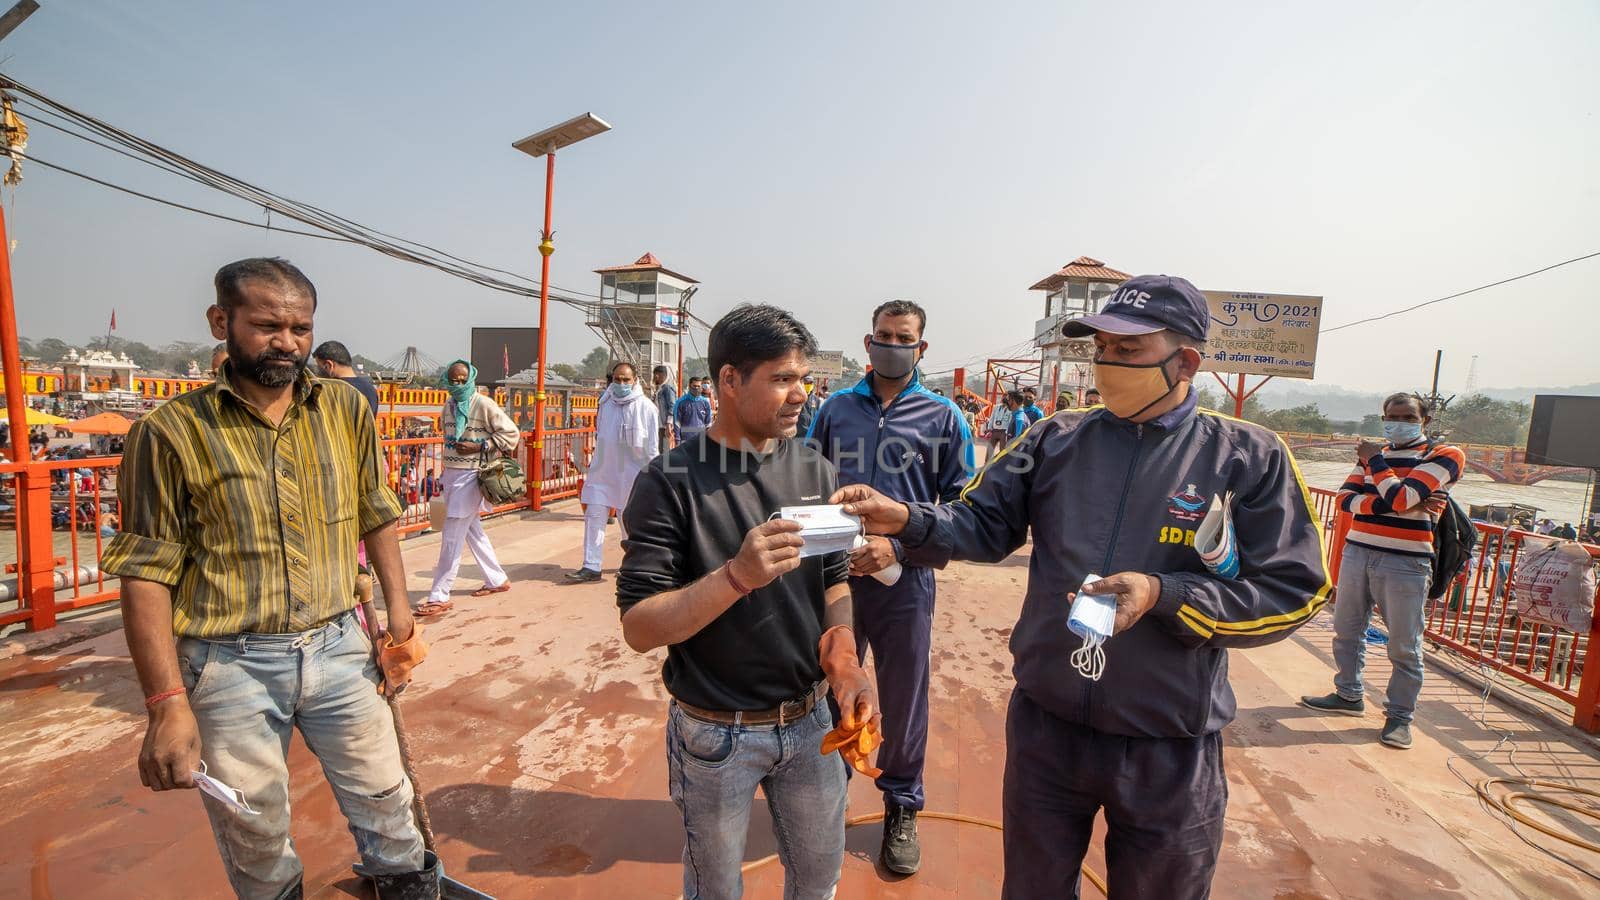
(621, 391)
(1402, 433)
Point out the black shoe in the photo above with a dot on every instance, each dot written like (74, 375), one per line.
(1333, 703)
(583, 576)
(900, 852)
(1396, 734)
(423, 885)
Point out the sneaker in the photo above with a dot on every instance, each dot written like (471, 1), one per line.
(1396, 734)
(583, 576)
(1333, 703)
(900, 853)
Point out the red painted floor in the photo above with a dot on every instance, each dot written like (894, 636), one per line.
(540, 739)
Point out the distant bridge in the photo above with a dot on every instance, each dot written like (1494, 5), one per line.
(1505, 465)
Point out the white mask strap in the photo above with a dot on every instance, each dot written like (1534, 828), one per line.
(1090, 659)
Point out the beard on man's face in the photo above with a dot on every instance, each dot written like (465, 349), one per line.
(270, 369)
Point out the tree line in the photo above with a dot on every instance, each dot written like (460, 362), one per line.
(1473, 419)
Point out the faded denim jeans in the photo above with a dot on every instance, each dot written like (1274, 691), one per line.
(714, 770)
(247, 694)
(1398, 586)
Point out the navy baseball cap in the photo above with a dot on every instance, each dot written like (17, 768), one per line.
(1145, 304)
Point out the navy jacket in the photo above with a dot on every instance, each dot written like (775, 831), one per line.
(918, 448)
(1103, 495)
(693, 413)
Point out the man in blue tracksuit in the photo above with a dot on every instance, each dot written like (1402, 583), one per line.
(692, 415)
(1030, 405)
(911, 444)
(1120, 495)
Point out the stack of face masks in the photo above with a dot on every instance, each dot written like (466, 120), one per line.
(825, 528)
(1093, 618)
(1215, 540)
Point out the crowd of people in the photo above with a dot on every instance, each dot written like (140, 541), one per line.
(766, 622)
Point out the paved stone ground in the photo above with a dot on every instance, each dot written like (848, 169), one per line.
(540, 740)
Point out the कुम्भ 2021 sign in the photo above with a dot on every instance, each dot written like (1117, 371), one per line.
(1263, 334)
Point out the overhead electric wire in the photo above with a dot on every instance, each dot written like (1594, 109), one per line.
(1483, 287)
(176, 205)
(305, 213)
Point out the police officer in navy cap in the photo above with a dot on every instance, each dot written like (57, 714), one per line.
(1120, 495)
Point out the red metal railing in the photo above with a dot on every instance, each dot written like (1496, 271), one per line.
(1477, 618)
(74, 496)
(40, 500)
(563, 459)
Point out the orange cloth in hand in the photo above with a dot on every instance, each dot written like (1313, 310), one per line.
(397, 660)
(854, 745)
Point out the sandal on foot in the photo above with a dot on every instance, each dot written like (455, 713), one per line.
(430, 608)
(487, 590)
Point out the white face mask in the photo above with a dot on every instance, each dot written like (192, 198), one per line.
(825, 528)
(230, 796)
(1402, 433)
(1093, 618)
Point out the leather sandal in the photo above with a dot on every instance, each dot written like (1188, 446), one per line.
(487, 590)
(427, 609)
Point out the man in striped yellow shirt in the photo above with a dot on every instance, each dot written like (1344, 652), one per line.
(242, 505)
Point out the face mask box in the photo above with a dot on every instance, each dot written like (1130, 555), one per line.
(825, 528)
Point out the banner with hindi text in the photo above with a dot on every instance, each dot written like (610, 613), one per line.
(1263, 334)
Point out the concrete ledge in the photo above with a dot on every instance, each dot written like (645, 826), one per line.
(103, 621)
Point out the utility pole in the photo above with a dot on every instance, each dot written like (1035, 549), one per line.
(35, 553)
(1436, 402)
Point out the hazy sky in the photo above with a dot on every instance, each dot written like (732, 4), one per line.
(827, 156)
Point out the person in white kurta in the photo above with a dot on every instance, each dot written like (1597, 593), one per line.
(467, 432)
(625, 440)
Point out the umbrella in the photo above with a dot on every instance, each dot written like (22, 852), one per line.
(104, 423)
(35, 417)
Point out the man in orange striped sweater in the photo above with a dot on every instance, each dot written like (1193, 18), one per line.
(1396, 492)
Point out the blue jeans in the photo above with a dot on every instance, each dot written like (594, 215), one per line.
(248, 693)
(713, 771)
(1398, 586)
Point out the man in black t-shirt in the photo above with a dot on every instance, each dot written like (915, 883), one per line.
(755, 631)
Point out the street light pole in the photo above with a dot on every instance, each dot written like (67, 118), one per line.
(546, 247)
(545, 143)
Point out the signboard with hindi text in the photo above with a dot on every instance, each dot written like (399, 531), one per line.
(1263, 334)
(828, 364)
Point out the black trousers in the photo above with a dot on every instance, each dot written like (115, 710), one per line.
(1164, 800)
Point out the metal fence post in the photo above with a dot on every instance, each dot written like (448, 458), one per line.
(1586, 711)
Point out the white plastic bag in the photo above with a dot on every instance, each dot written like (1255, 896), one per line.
(1554, 584)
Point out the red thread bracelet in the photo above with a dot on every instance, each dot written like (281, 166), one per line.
(150, 702)
(728, 571)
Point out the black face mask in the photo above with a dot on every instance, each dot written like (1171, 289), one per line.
(893, 361)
